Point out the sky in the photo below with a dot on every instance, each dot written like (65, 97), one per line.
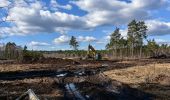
(49, 24)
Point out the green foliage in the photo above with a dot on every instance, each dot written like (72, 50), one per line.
(73, 43)
(136, 33)
(114, 40)
(79, 53)
(29, 56)
(152, 47)
(122, 43)
(133, 44)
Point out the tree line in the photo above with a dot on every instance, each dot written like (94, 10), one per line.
(11, 51)
(133, 45)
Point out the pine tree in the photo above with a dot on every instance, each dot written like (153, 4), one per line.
(73, 43)
(141, 35)
(152, 47)
(114, 40)
(132, 29)
(136, 35)
(122, 46)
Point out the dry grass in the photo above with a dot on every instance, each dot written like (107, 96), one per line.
(22, 67)
(33, 80)
(155, 73)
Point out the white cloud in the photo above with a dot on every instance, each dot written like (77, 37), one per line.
(107, 38)
(86, 39)
(4, 3)
(162, 41)
(32, 18)
(55, 5)
(156, 27)
(3, 36)
(151, 4)
(65, 39)
(35, 43)
(116, 12)
(122, 32)
(101, 42)
(62, 39)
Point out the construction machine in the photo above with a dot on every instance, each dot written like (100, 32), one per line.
(92, 54)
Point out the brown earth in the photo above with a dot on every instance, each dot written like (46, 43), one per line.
(43, 87)
(147, 75)
(152, 78)
(69, 64)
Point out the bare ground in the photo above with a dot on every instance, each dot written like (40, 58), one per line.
(148, 75)
(43, 87)
(151, 78)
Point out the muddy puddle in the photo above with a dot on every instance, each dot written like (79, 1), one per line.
(98, 87)
(86, 85)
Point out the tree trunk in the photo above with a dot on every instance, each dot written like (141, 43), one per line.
(132, 48)
(140, 52)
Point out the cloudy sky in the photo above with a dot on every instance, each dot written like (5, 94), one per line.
(49, 24)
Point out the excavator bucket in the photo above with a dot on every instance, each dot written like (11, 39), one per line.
(30, 94)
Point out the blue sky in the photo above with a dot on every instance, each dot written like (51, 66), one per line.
(49, 24)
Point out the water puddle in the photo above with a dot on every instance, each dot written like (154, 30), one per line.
(72, 89)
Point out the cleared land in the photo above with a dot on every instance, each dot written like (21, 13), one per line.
(148, 76)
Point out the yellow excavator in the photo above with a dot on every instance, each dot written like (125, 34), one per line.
(92, 54)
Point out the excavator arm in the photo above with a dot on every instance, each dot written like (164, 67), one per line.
(91, 53)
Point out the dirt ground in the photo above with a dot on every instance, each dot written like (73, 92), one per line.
(43, 87)
(152, 78)
(148, 75)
